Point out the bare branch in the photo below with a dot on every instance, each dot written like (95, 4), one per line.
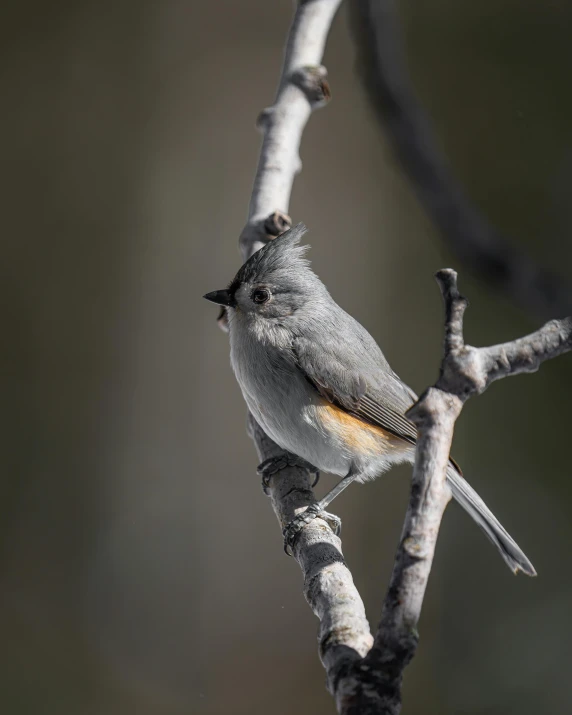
(468, 371)
(302, 88)
(467, 233)
(373, 685)
(344, 635)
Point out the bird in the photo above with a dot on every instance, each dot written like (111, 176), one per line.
(318, 384)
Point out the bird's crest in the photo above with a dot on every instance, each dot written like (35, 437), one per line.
(282, 253)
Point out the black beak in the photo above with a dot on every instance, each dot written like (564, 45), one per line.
(222, 297)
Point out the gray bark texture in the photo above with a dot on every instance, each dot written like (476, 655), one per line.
(364, 673)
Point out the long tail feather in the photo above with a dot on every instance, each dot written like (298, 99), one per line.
(476, 507)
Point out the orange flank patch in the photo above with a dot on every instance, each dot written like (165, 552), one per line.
(356, 434)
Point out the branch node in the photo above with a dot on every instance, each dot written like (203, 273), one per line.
(263, 118)
(463, 373)
(257, 232)
(277, 223)
(312, 80)
(413, 547)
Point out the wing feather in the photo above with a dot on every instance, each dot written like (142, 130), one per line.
(352, 392)
(375, 393)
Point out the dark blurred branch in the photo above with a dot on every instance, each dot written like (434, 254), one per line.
(373, 685)
(468, 235)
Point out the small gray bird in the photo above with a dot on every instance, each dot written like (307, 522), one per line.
(317, 383)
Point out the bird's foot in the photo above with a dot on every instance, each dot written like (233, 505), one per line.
(291, 530)
(273, 465)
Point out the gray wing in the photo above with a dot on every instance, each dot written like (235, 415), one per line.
(358, 379)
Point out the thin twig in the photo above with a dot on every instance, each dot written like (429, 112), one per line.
(468, 371)
(468, 235)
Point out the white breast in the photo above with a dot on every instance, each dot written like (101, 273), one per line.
(281, 400)
(296, 417)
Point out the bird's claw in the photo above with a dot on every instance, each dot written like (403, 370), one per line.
(267, 469)
(292, 529)
(273, 465)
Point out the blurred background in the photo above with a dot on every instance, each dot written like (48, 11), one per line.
(141, 567)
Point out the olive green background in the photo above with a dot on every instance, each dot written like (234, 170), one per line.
(141, 567)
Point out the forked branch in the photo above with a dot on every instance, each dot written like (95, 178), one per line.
(374, 684)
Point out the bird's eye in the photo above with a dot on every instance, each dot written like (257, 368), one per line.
(260, 295)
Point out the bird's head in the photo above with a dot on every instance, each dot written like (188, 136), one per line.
(276, 283)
